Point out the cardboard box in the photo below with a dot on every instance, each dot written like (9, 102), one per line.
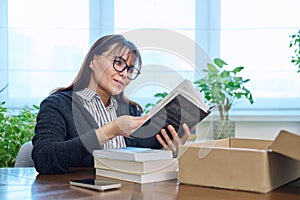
(241, 164)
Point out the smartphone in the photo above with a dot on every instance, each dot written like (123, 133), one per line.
(96, 184)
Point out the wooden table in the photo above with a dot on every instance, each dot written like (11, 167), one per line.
(26, 183)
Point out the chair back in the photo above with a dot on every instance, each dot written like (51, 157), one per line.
(24, 156)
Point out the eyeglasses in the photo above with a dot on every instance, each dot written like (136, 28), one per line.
(120, 65)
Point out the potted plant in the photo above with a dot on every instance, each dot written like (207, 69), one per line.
(223, 88)
(15, 130)
(295, 45)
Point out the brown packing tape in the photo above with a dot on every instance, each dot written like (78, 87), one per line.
(287, 143)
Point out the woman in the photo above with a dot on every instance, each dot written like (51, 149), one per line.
(92, 112)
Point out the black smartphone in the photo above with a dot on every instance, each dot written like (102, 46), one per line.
(96, 184)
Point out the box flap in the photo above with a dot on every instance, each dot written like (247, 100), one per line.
(287, 143)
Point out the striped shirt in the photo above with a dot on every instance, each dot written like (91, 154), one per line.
(102, 115)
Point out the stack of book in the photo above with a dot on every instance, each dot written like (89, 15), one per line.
(139, 165)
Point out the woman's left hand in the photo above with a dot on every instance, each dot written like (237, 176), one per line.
(173, 144)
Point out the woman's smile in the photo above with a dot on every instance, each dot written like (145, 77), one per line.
(120, 82)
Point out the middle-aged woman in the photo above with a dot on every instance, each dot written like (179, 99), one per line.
(93, 113)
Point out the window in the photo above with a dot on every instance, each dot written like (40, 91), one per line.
(256, 35)
(163, 64)
(43, 52)
(43, 45)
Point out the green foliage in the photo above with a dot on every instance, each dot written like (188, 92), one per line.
(223, 87)
(295, 45)
(160, 96)
(15, 130)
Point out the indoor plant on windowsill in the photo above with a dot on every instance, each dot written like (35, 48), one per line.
(223, 88)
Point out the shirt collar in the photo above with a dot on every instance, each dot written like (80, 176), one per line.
(86, 94)
(89, 94)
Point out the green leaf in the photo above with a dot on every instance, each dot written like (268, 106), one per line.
(149, 105)
(246, 80)
(238, 69)
(225, 74)
(219, 62)
(212, 68)
(163, 94)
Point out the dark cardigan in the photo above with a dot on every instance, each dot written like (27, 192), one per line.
(65, 134)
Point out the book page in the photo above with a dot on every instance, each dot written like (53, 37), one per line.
(185, 87)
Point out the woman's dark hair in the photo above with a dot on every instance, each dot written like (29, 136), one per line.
(120, 46)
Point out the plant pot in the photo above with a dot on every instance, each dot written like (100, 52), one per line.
(223, 129)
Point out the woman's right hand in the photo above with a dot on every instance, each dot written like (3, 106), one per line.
(128, 124)
(123, 125)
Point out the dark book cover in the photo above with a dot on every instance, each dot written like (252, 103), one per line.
(176, 112)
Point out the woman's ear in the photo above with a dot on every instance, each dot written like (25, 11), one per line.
(92, 64)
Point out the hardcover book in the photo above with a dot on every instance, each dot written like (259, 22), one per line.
(136, 167)
(138, 178)
(133, 154)
(182, 105)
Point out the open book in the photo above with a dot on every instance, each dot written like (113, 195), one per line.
(181, 105)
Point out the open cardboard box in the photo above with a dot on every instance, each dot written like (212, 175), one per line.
(241, 164)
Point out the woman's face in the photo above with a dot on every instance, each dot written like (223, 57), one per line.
(105, 78)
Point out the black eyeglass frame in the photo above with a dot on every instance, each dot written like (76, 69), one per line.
(126, 66)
